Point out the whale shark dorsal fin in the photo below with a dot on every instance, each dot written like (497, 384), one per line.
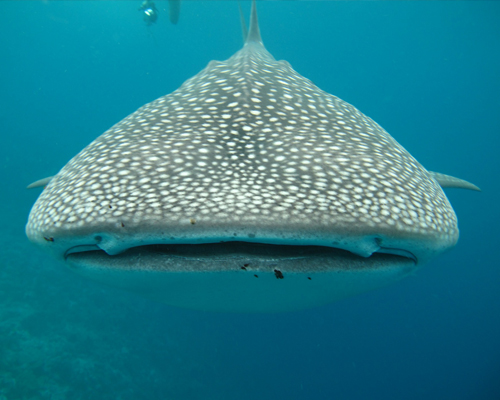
(254, 31)
(448, 181)
(40, 183)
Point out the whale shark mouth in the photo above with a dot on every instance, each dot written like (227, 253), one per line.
(235, 255)
(241, 276)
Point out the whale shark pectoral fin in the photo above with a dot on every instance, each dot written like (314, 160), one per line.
(447, 181)
(39, 183)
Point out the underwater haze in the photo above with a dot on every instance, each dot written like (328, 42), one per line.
(426, 71)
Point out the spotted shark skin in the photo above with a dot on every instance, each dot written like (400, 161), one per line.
(247, 151)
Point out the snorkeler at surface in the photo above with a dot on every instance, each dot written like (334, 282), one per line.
(174, 7)
(150, 12)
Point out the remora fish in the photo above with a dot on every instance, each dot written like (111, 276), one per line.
(247, 189)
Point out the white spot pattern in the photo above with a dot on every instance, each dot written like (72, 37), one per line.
(246, 142)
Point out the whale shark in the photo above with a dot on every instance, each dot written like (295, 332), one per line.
(248, 189)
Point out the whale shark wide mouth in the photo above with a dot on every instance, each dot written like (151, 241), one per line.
(241, 276)
(235, 255)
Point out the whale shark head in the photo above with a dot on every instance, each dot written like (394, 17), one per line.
(247, 189)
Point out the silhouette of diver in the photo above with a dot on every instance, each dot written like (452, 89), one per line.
(150, 12)
(174, 7)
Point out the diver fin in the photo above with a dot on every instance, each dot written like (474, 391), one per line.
(174, 8)
(40, 183)
(254, 32)
(447, 181)
(244, 28)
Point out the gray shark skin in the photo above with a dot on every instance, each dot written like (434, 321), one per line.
(248, 189)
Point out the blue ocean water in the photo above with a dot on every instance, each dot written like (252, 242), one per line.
(428, 72)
